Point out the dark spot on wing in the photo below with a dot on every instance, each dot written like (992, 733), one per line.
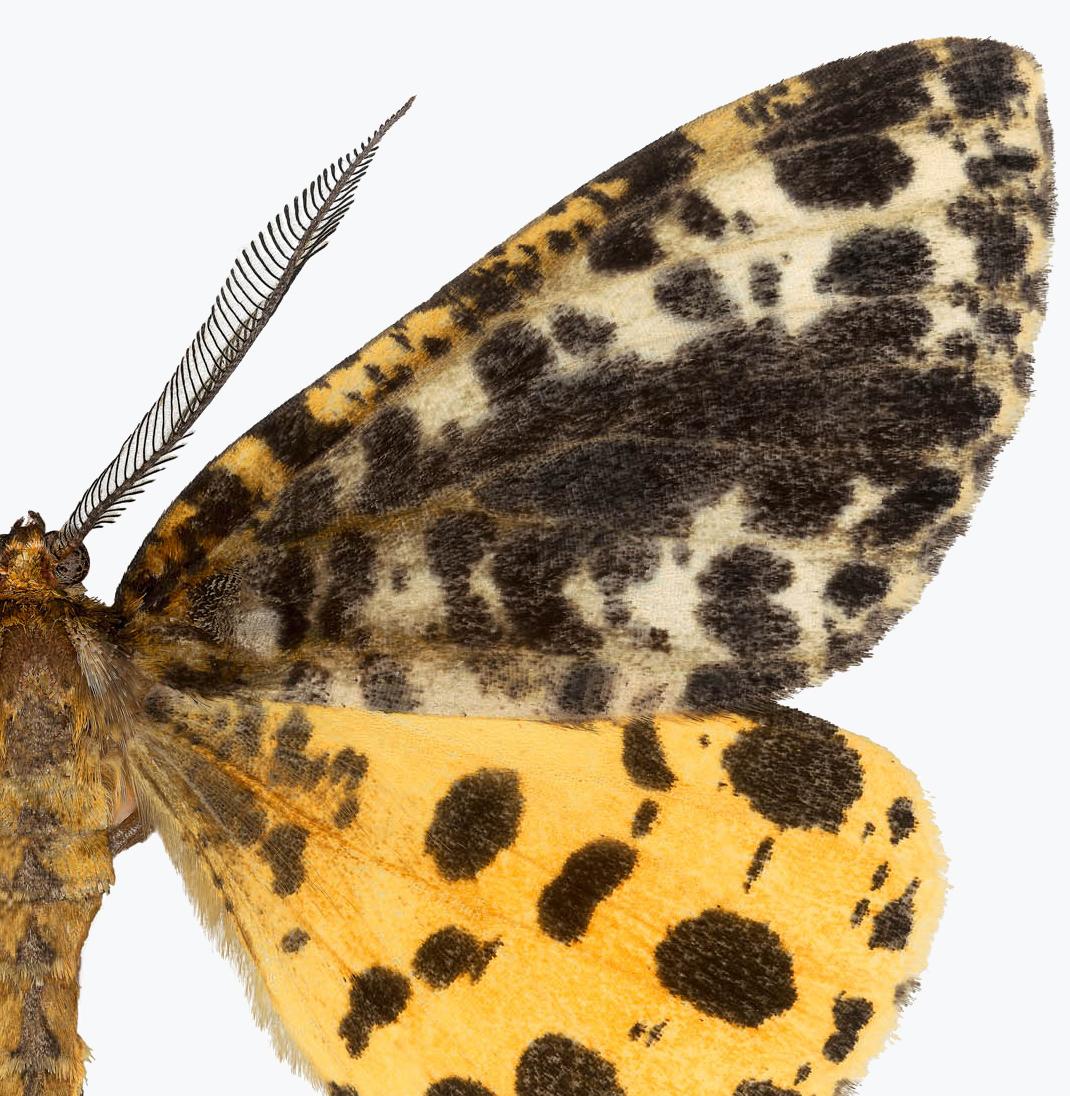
(579, 333)
(474, 821)
(455, 544)
(893, 925)
(294, 941)
(290, 763)
(982, 77)
(283, 848)
(796, 771)
(662, 163)
(762, 855)
(763, 1088)
(377, 997)
(902, 821)
(856, 586)
(692, 291)
(1001, 242)
(624, 244)
(448, 954)
(586, 688)
(877, 262)
(737, 610)
(302, 508)
(1000, 167)
(225, 803)
(727, 966)
(385, 685)
(700, 216)
(589, 876)
(765, 284)
(512, 357)
(554, 1065)
(351, 568)
(294, 436)
(458, 1086)
(850, 1015)
(646, 814)
(643, 756)
(914, 505)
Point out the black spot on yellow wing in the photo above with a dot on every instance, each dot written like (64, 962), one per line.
(902, 821)
(762, 855)
(893, 925)
(283, 848)
(341, 1090)
(692, 291)
(449, 953)
(796, 771)
(880, 876)
(290, 764)
(458, 1086)
(850, 1015)
(248, 729)
(473, 822)
(727, 966)
(646, 814)
(348, 768)
(877, 262)
(554, 1065)
(377, 997)
(803, 1073)
(589, 876)
(763, 1088)
(294, 941)
(858, 914)
(643, 756)
(225, 803)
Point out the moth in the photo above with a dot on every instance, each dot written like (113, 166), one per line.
(453, 687)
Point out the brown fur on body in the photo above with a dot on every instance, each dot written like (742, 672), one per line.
(59, 783)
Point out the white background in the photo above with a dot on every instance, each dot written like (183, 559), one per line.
(142, 149)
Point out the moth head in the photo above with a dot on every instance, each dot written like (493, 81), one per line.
(32, 559)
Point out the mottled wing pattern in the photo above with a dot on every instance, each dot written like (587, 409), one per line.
(700, 433)
(724, 906)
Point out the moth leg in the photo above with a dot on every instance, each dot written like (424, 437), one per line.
(131, 831)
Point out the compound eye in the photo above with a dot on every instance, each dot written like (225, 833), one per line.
(72, 567)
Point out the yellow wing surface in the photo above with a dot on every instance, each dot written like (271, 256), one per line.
(429, 906)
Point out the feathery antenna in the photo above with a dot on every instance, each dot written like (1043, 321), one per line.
(257, 282)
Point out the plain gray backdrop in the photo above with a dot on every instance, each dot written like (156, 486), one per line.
(143, 148)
